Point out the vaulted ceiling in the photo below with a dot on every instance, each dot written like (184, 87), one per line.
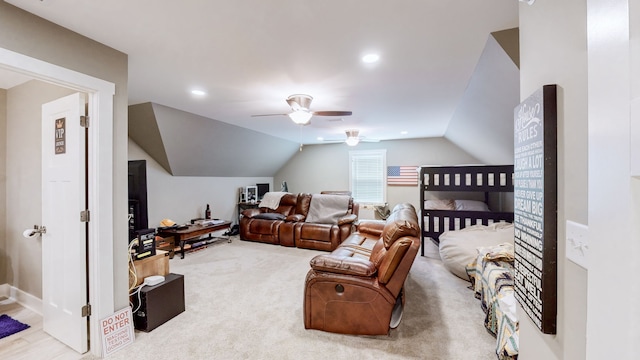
(249, 55)
(445, 69)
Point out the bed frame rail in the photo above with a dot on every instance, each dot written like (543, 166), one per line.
(468, 178)
(438, 221)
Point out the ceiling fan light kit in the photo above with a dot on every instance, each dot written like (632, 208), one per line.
(300, 117)
(352, 141)
(352, 137)
(300, 113)
(299, 102)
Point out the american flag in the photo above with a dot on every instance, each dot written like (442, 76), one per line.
(402, 175)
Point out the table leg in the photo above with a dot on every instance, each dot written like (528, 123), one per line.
(181, 248)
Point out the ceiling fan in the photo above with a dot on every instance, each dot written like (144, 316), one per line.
(300, 113)
(353, 138)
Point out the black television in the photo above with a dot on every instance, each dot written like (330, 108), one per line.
(138, 217)
(262, 189)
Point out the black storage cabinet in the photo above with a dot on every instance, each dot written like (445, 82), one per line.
(160, 303)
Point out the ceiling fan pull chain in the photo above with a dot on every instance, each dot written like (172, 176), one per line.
(300, 126)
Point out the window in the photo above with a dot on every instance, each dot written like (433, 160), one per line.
(367, 176)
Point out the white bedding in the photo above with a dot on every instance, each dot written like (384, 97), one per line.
(327, 208)
(271, 199)
(459, 205)
(459, 248)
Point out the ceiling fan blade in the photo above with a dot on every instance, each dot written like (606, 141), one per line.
(332, 113)
(268, 115)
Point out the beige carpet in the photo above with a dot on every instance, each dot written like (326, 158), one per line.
(244, 301)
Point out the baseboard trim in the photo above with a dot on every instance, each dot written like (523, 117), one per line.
(23, 298)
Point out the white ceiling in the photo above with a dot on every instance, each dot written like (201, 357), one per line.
(249, 55)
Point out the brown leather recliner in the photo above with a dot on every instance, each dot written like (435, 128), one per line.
(358, 288)
(264, 224)
(326, 236)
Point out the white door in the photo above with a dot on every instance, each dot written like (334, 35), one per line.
(64, 257)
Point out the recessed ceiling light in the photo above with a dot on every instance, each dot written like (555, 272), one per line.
(370, 58)
(404, 132)
(319, 138)
(198, 92)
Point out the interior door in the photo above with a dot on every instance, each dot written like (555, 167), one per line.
(64, 271)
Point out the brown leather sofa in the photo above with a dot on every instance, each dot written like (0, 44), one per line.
(275, 226)
(288, 226)
(359, 287)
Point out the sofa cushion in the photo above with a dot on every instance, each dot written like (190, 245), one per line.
(396, 229)
(403, 221)
(269, 216)
(288, 204)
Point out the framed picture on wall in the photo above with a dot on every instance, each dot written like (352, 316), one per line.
(251, 193)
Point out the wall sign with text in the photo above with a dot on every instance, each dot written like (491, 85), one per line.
(535, 207)
(60, 136)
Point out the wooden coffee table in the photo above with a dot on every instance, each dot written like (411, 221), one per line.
(193, 233)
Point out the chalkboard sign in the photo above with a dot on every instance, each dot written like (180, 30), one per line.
(535, 207)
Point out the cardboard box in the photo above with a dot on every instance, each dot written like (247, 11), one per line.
(157, 264)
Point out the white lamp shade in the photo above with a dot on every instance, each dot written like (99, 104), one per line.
(352, 141)
(300, 117)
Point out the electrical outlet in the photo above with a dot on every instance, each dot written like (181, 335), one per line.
(577, 243)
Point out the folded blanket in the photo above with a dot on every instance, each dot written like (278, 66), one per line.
(327, 208)
(271, 200)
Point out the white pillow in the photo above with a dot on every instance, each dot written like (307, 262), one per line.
(437, 204)
(459, 248)
(470, 205)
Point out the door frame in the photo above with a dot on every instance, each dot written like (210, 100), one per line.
(100, 171)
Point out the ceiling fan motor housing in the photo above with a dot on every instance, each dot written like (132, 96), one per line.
(299, 102)
(353, 133)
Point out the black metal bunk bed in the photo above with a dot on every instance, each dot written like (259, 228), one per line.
(476, 178)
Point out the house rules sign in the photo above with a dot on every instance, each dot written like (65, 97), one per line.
(535, 207)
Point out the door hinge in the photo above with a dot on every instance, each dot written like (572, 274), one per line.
(86, 310)
(84, 121)
(85, 216)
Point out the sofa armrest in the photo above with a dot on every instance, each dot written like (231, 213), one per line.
(295, 218)
(251, 212)
(348, 219)
(371, 227)
(346, 265)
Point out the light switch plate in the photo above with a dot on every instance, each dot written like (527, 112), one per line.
(577, 243)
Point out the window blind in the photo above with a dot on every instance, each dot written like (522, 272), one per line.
(367, 176)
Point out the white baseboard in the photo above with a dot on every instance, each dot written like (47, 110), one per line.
(23, 298)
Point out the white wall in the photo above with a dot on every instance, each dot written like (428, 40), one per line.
(613, 289)
(483, 121)
(4, 259)
(583, 46)
(326, 167)
(182, 198)
(553, 51)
